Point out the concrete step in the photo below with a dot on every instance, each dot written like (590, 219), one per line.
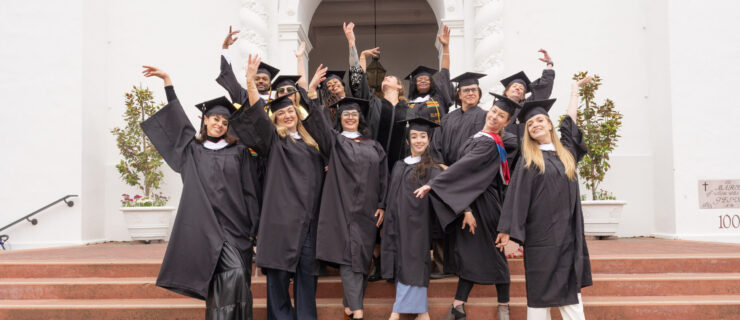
(126, 268)
(631, 307)
(331, 287)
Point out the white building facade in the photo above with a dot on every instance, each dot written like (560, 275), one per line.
(669, 66)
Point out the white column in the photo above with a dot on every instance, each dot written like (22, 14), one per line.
(290, 36)
(457, 45)
(489, 40)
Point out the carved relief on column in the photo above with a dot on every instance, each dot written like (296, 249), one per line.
(489, 41)
(254, 18)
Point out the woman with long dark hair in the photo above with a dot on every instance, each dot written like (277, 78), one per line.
(406, 233)
(353, 198)
(286, 240)
(474, 185)
(209, 254)
(543, 213)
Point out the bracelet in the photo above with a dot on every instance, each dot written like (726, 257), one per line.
(446, 54)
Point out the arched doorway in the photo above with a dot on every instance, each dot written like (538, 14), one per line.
(406, 33)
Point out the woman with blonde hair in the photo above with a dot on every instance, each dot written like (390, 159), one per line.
(542, 211)
(286, 239)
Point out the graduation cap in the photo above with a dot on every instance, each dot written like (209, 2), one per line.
(505, 103)
(519, 77)
(220, 106)
(283, 81)
(533, 108)
(419, 123)
(267, 69)
(348, 103)
(333, 74)
(467, 79)
(279, 103)
(420, 70)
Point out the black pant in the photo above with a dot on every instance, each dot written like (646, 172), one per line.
(304, 288)
(464, 287)
(229, 296)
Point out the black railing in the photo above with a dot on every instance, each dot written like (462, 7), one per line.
(4, 237)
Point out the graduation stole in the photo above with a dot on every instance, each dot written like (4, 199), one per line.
(505, 176)
(431, 103)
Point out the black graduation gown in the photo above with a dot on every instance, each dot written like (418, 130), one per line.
(457, 126)
(292, 188)
(406, 239)
(384, 118)
(474, 182)
(354, 188)
(238, 94)
(541, 89)
(442, 97)
(218, 202)
(543, 212)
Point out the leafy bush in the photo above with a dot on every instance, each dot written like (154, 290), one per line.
(140, 166)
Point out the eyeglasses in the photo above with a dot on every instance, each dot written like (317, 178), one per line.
(469, 90)
(350, 114)
(286, 90)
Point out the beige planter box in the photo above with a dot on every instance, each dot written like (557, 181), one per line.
(602, 217)
(148, 223)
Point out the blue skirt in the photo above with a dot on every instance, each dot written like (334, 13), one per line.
(410, 299)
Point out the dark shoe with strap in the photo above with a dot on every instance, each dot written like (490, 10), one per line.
(456, 313)
(348, 316)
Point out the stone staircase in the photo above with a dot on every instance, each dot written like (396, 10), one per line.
(633, 279)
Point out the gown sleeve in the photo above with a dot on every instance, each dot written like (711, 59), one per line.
(253, 127)
(516, 204)
(249, 192)
(318, 126)
(542, 87)
(444, 214)
(437, 144)
(170, 131)
(572, 138)
(384, 178)
(443, 88)
(469, 177)
(358, 84)
(227, 80)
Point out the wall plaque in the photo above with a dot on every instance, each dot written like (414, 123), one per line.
(719, 194)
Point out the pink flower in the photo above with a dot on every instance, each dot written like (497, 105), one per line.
(137, 197)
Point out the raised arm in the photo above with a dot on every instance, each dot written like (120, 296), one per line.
(444, 39)
(226, 77)
(302, 82)
(541, 88)
(169, 129)
(573, 104)
(357, 80)
(250, 123)
(373, 53)
(252, 66)
(317, 124)
(317, 78)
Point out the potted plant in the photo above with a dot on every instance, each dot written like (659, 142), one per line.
(147, 217)
(600, 124)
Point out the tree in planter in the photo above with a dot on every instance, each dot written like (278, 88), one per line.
(600, 124)
(140, 166)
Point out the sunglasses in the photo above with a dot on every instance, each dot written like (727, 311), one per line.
(286, 90)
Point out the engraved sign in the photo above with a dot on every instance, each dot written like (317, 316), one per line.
(719, 194)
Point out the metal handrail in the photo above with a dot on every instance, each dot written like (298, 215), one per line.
(4, 237)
